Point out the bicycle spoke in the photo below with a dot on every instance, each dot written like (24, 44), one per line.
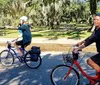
(31, 63)
(59, 73)
(7, 58)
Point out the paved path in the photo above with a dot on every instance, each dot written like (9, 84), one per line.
(20, 74)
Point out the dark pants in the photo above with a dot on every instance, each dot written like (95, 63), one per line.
(22, 44)
(96, 59)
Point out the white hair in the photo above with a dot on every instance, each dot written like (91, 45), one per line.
(24, 18)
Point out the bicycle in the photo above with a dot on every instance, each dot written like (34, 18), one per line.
(68, 75)
(7, 57)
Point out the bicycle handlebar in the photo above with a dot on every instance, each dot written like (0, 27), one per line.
(15, 40)
(75, 55)
(9, 42)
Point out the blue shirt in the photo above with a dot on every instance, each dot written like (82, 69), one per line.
(26, 33)
(20, 31)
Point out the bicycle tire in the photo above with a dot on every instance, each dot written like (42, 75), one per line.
(60, 71)
(6, 60)
(32, 64)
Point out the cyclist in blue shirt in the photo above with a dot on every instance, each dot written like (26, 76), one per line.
(26, 34)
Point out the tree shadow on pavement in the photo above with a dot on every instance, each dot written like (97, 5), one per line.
(22, 75)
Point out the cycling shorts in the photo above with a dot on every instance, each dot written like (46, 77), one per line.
(96, 59)
(23, 45)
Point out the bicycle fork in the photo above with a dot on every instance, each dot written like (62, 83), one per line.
(8, 53)
(67, 74)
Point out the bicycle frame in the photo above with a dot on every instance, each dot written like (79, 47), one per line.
(27, 57)
(92, 79)
(10, 49)
(19, 58)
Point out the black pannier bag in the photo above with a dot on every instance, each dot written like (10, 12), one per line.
(35, 53)
(34, 57)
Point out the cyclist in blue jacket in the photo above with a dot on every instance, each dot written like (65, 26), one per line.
(26, 34)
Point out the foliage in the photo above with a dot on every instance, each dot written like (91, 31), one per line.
(46, 12)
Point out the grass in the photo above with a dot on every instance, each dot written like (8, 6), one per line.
(9, 33)
(77, 33)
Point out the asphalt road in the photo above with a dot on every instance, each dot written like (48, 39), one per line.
(20, 74)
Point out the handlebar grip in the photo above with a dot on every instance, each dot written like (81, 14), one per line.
(75, 55)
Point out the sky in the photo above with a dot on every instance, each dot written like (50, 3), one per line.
(82, 0)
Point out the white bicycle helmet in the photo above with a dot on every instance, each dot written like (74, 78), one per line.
(24, 18)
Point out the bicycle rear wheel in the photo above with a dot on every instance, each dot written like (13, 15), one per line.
(6, 58)
(59, 72)
(30, 63)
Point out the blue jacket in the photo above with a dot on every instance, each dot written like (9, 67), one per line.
(26, 33)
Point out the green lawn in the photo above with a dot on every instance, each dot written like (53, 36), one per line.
(53, 34)
(59, 34)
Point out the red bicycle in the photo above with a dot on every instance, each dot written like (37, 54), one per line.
(68, 75)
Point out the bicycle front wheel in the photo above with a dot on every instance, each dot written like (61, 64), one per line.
(6, 58)
(30, 63)
(58, 76)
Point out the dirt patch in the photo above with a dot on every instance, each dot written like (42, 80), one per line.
(56, 47)
(61, 47)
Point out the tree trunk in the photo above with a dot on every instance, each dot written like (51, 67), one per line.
(93, 6)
